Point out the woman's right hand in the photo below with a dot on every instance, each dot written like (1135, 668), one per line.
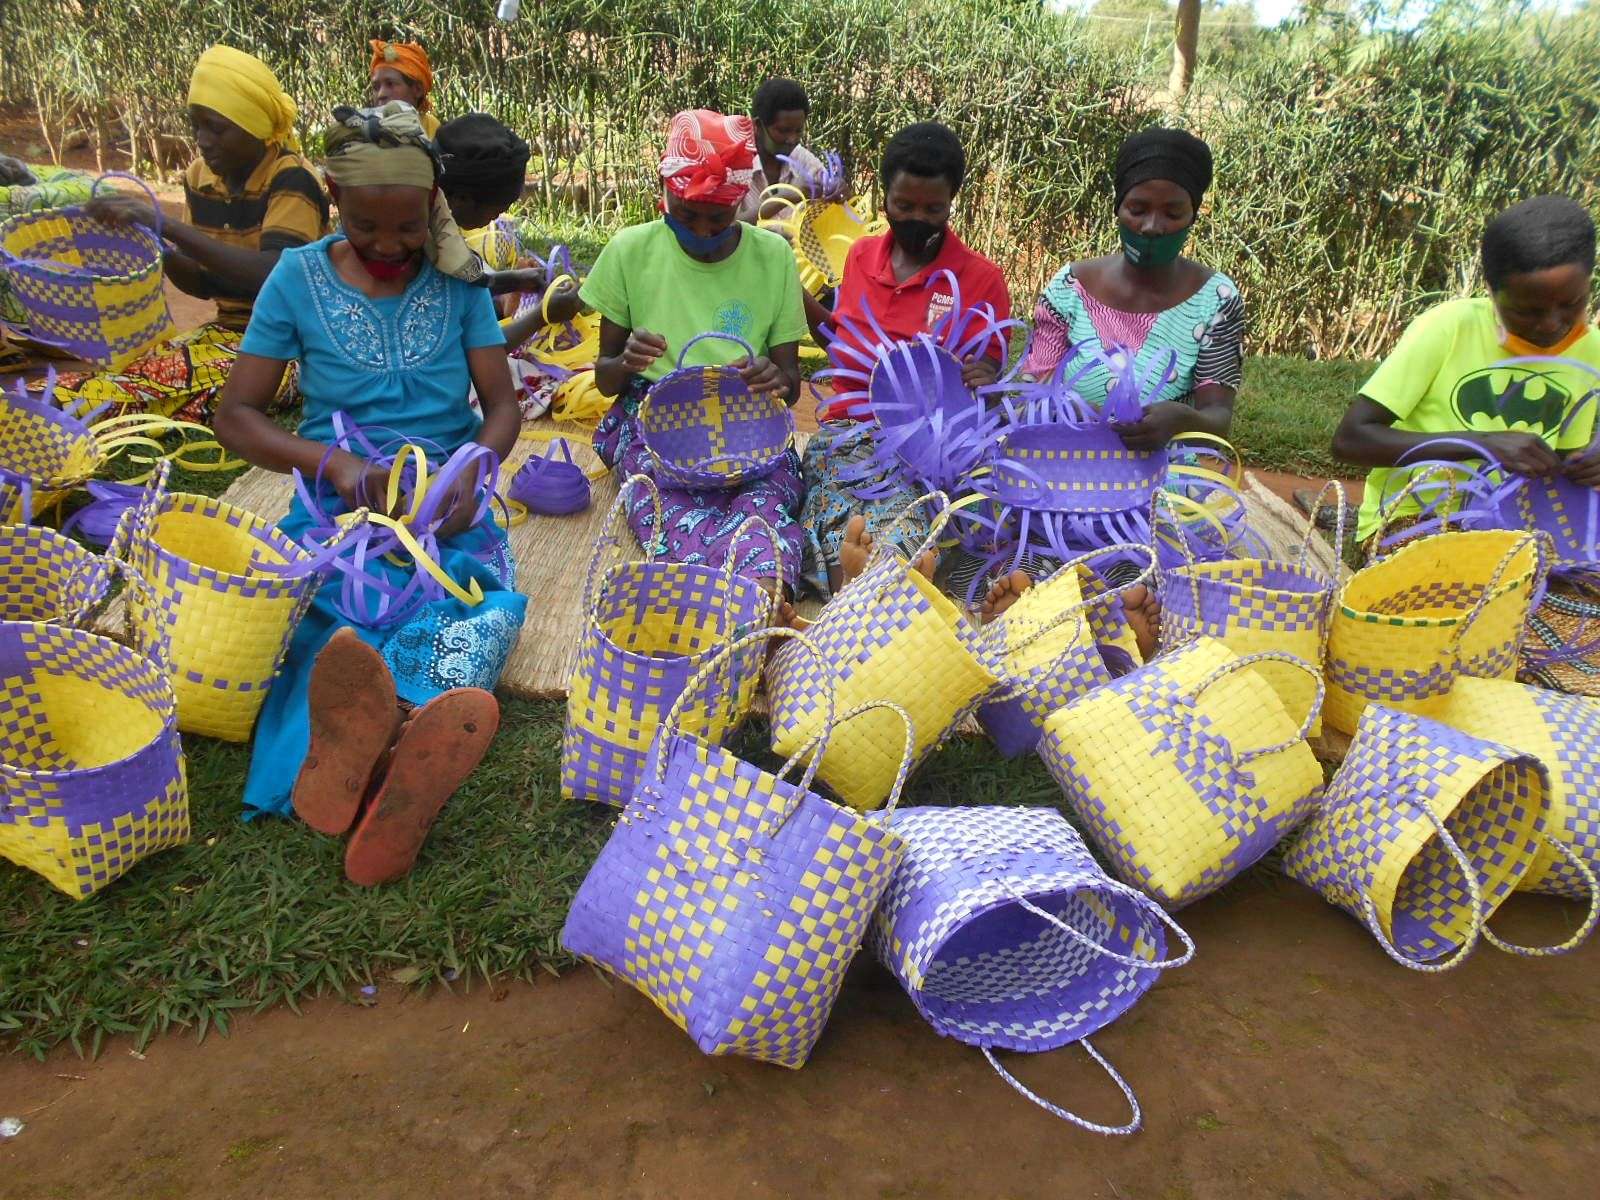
(360, 484)
(643, 348)
(1520, 453)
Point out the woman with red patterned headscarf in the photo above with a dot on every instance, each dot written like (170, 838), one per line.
(656, 287)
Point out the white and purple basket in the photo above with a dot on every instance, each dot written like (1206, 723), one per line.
(1007, 935)
(706, 430)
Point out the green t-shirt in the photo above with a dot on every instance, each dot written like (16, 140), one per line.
(644, 280)
(1441, 378)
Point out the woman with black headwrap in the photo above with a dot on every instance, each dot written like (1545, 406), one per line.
(1147, 299)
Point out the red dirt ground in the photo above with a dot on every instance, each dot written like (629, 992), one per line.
(1291, 1059)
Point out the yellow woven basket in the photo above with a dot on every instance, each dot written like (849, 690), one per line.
(889, 635)
(1408, 626)
(822, 232)
(1562, 732)
(1189, 769)
(228, 589)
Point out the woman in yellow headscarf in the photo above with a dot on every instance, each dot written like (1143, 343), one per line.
(248, 197)
(401, 71)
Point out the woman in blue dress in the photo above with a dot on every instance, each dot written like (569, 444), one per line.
(367, 726)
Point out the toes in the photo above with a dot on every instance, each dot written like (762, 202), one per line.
(855, 531)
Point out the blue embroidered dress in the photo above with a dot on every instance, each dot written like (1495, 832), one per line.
(394, 366)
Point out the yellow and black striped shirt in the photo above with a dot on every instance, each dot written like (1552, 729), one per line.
(281, 205)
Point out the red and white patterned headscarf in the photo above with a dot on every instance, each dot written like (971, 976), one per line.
(710, 158)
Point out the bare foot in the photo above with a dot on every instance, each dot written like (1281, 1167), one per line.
(927, 564)
(855, 549)
(1005, 592)
(1143, 613)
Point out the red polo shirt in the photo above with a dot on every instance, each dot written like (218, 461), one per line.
(904, 310)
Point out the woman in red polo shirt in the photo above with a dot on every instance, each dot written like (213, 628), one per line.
(898, 278)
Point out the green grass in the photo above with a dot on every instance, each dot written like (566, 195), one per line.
(1288, 409)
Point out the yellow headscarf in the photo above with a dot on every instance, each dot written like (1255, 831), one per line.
(242, 88)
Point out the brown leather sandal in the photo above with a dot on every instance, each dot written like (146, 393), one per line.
(439, 745)
(354, 718)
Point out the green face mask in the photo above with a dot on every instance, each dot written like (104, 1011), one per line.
(1142, 250)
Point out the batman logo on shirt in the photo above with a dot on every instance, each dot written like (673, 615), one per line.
(1499, 398)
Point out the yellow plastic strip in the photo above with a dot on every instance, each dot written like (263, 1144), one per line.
(472, 596)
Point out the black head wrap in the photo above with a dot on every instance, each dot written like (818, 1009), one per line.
(1171, 154)
(481, 155)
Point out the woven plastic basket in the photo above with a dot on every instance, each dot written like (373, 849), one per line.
(731, 897)
(227, 589)
(1188, 770)
(889, 635)
(46, 576)
(1054, 645)
(90, 289)
(1408, 626)
(705, 428)
(1423, 834)
(549, 485)
(1253, 605)
(1563, 733)
(91, 767)
(651, 626)
(1006, 934)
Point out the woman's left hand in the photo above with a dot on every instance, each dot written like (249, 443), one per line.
(979, 372)
(121, 209)
(460, 506)
(1583, 468)
(1161, 422)
(763, 376)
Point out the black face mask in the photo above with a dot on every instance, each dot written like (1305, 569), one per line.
(914, 236)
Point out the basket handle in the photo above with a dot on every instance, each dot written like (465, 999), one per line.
(608, 541)
(786, 192)
(1475, 894)
(1341, 516)
(1437, 475)
(1577, 862)
(1542, 550)
(138, 523)
(144, 187)
(718, 334)
(154, 642)
(817, 742)
(1283, 656)
(1054, 1110)
(753, 525)
(1141, 901)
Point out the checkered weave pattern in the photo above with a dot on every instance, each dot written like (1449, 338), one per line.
(1049, 667)
(1187, 770)
(91, 767)
(1373, 850)
(1405, 628)
(985, 970)
(1563, 733)
(652, 625)
(46, 576)
(889, 635)
(43, 452)
(1068, 468)
(91, 289)
(825, 231)
(733, 899)
(705, 428)
(220, 593)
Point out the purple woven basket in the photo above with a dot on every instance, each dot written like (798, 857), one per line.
(551, 486)
(1074, 469)
(731, 897)
(706, 429)
(1006, 934)
(90, 289)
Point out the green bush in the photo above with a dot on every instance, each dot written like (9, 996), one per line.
(1355, 171)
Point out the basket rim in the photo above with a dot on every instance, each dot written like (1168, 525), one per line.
(597, 629)
(61, 272)
(258, 526)
(169, 724)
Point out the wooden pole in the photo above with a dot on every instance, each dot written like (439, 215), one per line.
(1186, 39)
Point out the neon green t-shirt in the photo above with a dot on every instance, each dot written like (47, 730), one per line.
(1441, 378)
(644, 280)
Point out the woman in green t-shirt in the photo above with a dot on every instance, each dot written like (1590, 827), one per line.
(1447, 378)
(657, 286)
